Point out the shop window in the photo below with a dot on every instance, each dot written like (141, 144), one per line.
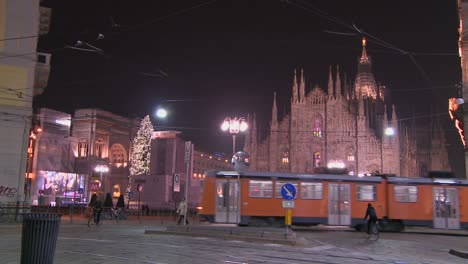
(116, 192)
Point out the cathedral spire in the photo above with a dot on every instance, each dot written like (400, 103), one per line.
(330, 84)
(365, 82)
(274, 113)
(364, 57)
(302, 88)
(254, 133)
(295, 99)
(338, 82)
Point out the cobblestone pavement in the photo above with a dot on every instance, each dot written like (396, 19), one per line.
(125, 242)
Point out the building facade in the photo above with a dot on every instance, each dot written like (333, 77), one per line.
(75, 156)
(69, 151)
(463, 49)
(23, 74)
(165, 186)
(347, 126)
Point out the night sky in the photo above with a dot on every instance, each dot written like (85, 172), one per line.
(226, 58)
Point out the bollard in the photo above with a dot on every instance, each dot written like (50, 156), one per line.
(39, 238)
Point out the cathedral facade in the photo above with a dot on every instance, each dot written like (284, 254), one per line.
(347, 126)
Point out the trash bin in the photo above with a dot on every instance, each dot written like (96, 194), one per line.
(40, 231)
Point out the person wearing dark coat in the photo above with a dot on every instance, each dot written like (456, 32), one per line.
(370, 212)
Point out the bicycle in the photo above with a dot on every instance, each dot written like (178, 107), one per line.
(374, 231)
(112, 213)
(94, 217)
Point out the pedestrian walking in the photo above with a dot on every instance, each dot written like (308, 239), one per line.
(182, 211)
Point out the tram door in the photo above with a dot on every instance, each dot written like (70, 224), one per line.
(446, 213)
(226, 201)
(339, 204)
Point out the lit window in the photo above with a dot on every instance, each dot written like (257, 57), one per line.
(366, 192)
(311, 190)
(99, 145)
(317, 160)
(350, 154)
(317, 130)
(261, 189)
(82, 148)
(285, 157)
(405, 194)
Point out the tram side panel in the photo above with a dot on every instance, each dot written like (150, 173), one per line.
(360, 200)
(463, 206)
(311, 208)
(206, 211)
(411, 203)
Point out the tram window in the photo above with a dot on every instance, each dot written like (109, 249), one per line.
(311, 190)
(279, 185)
(405, 194)
(261, 189)
(366, 192)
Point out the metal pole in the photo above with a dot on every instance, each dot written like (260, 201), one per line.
(233, 143)
(381, 155)
(238, 199)
(187, 166)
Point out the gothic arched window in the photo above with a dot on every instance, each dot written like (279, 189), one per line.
(317, 127)
(350, 154)
(317, 159)
(285, 157)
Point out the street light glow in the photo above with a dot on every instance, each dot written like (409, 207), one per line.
(225, 125)
(161, 113)
(389, 131)
(234, 126)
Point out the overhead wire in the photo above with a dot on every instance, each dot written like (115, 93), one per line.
(309, 7)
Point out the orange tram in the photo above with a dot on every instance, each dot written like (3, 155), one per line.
(334, 200)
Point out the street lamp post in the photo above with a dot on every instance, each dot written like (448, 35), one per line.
(235, 125)
(388, 132)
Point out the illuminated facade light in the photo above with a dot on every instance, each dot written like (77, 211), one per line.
(336, 164)
(63, 122)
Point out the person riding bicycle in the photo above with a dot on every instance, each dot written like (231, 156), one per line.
(96, 205)
(370, 212)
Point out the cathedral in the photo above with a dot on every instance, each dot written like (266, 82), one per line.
(348, 126)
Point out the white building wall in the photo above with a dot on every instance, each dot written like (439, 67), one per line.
(18, 18)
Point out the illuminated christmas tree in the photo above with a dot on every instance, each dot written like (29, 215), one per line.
(141, 153)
